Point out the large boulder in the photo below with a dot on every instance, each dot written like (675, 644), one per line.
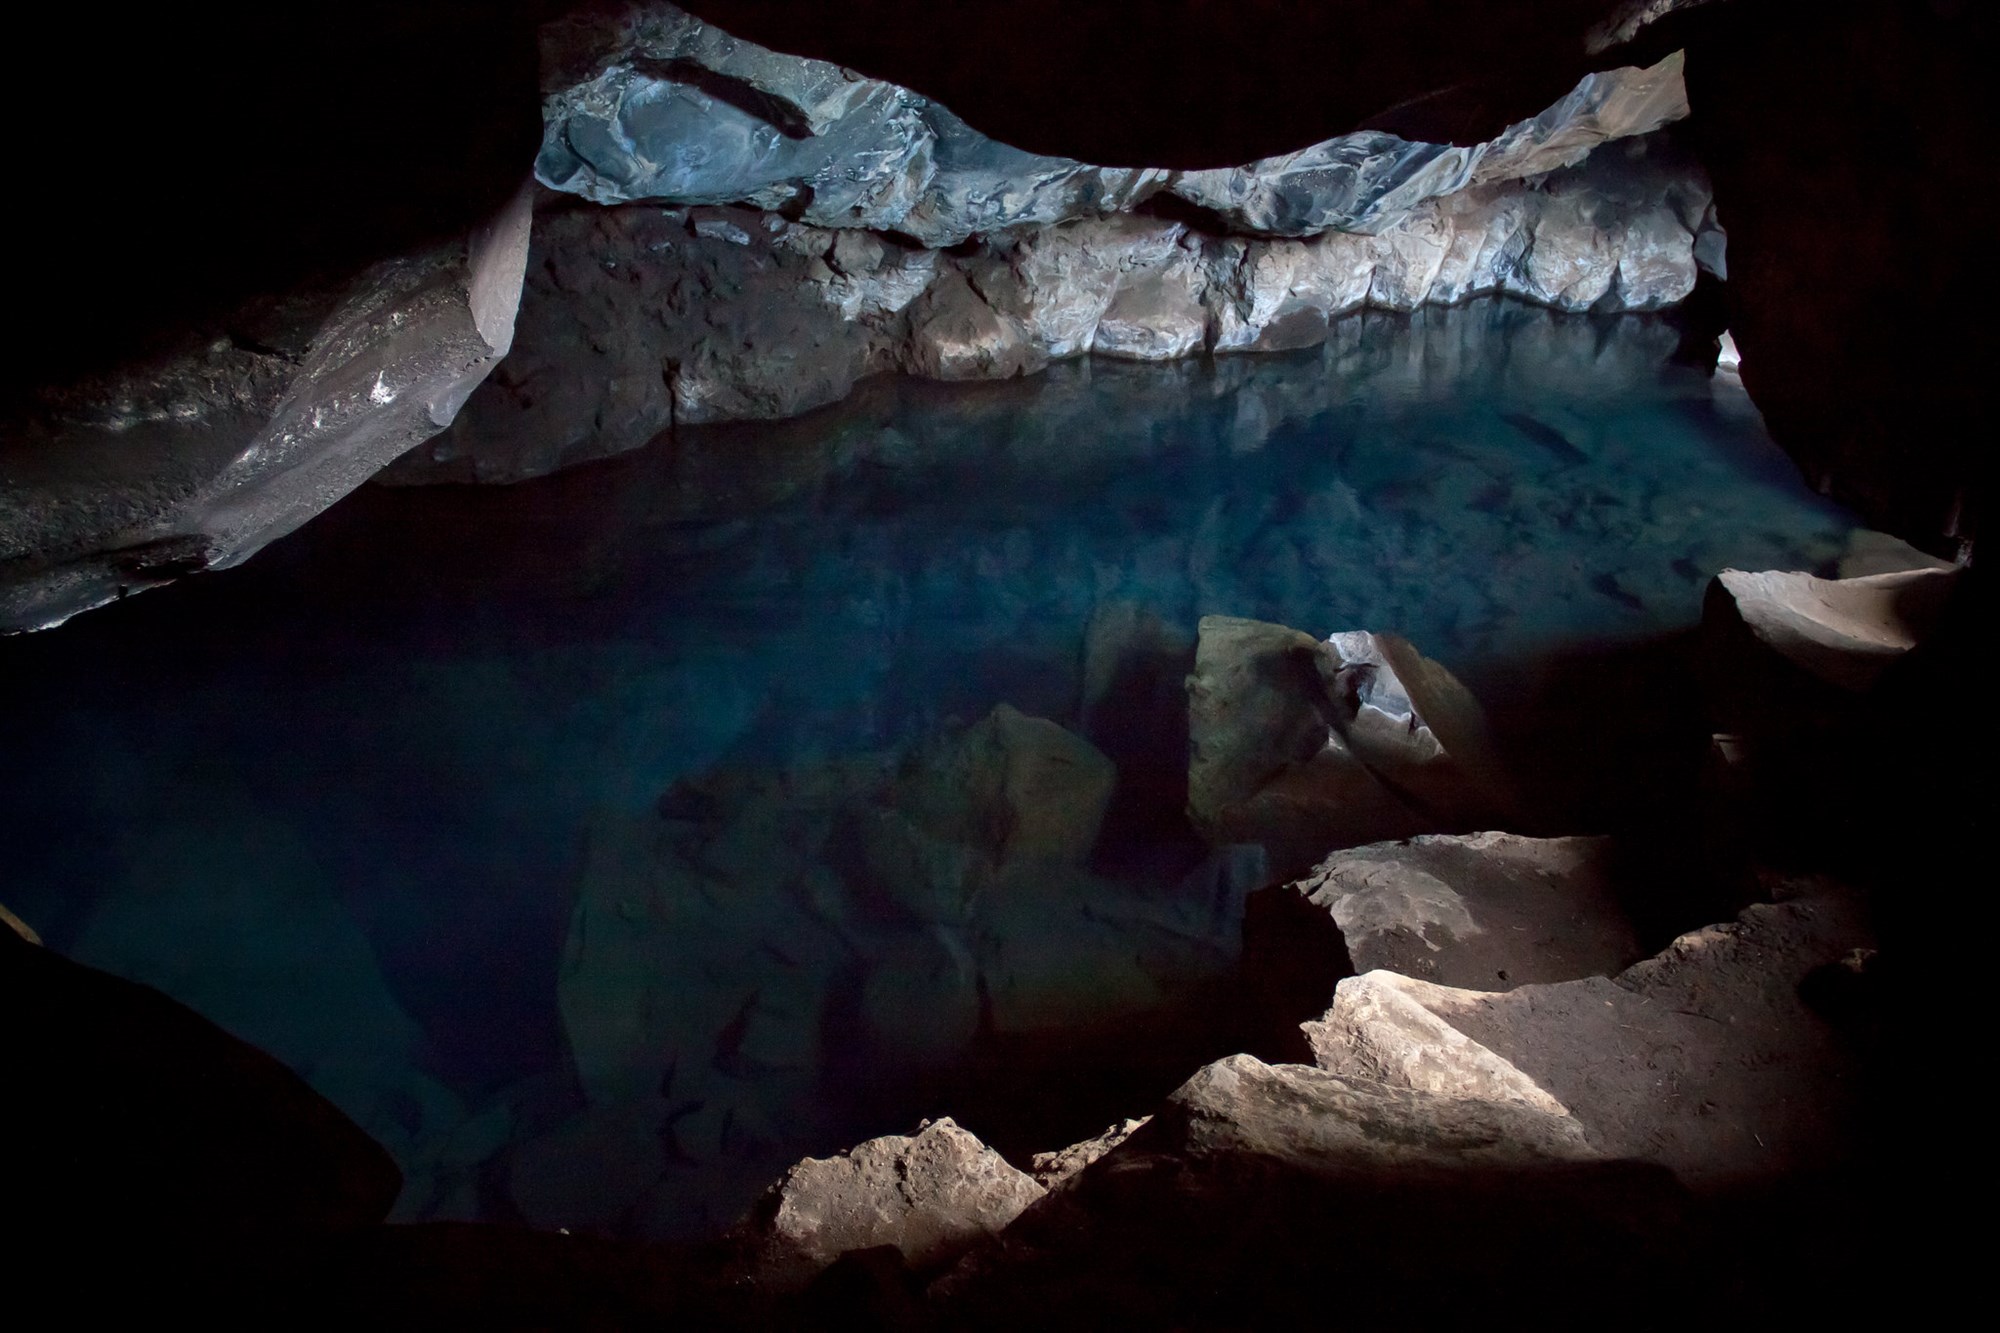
(932, 1195)
(1305, 746)
(1256, 1187)
(1843, 632)
(199, 460)
(1704, 1059)
(1489, 911)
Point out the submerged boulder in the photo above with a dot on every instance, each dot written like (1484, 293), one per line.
(1490, 911)
(1306, 746)
(932, 1195)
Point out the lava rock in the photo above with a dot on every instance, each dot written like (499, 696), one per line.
(650, 103)
(199, 461)
(932, 1195)
(1490, 911)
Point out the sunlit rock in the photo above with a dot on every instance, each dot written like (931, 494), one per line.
(1379, 1029)
(933, 1195)
(1705, 1059)
(1490, 911)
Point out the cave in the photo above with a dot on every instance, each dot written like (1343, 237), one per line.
(1151, 665)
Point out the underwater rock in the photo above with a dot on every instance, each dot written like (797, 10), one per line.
(1265, 764)
(933, 1195)
(1490, 911)
(200, 460)
(1704, 1058)
(1305, 746)
(1870, 552)
(649, 103)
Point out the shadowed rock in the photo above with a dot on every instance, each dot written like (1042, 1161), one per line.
(200, 461)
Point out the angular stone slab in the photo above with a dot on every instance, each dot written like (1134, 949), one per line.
(932, 1195)
(1485, 911)
(1703, 1059)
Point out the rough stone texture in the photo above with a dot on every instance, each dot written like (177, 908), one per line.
(1377, 1030)
(1491, 911)
(1703, 1059)
(198, 462)
(637, 320)
(1052, 1168)
(933, 1196)
(1254, 1186)
(650, 103)
(1306, 746)
(1844, 632)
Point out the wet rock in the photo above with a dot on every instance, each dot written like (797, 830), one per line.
(1266, 764)
(1306, 746)
(1489, 911)
(1703, 1059)
(198, 461)
(932, 1195)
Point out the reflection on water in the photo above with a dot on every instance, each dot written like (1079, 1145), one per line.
(605, 843)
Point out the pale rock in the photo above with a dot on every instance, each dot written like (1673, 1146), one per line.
(1703, 1059)
(1053, 1168)
(1379, 1029)
(956, 335)
(1488, 911)
(1159, 318)
(1844, 632)
(933, 1195)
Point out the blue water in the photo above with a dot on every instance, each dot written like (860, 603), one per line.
(388, 800)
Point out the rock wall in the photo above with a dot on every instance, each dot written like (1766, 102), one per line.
(647, 102)
(198, 460)
(638, 319)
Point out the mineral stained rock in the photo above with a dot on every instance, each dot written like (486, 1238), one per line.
(199, 462)
(649, 103)
(1704, 1059)
(933, 1195)
(1489, 911)
(1305, 746)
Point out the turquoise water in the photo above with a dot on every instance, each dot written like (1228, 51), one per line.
(524, 822)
